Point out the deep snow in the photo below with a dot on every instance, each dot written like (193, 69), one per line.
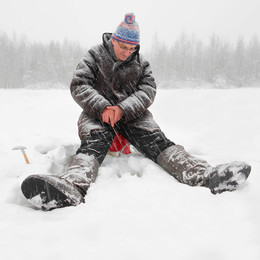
(135, 210)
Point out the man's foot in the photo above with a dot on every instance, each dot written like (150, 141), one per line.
(226, 177)
(48, 192)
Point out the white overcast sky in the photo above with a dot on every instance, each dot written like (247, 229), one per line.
(86, 20)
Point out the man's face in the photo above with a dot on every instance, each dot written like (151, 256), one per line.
(122, 50)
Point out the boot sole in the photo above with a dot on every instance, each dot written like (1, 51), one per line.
(230, 180)
(43, 194)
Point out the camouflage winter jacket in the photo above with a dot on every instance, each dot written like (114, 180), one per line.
(100, 80)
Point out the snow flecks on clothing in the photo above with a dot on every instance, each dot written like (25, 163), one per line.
(83, 164)
(183, 166)
(226, 177)
(82, 170)
(87, 124)
(107, 84)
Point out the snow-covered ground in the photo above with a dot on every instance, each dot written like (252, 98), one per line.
(135, 210)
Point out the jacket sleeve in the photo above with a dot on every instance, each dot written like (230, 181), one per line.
(82, 88)
(138, 102)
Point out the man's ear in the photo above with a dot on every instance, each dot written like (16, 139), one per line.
(113, 41)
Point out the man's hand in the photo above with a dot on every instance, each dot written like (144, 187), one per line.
(118, 113)
(108, 116)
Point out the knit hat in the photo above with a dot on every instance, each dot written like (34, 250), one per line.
(128, 30)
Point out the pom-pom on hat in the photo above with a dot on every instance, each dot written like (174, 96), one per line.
(128, 30)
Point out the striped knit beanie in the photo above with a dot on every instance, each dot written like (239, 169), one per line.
(128, 30)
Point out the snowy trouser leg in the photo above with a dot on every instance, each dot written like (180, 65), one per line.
(97, 144)
(82, 171)
(151, 144)
(183, 166)
(197, 172)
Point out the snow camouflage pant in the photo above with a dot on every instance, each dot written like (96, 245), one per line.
(150, 144)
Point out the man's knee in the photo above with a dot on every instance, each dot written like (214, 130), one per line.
(151, 144)
(155, 144)
(97, 143)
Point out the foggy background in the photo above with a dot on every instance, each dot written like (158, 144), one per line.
(189, 43)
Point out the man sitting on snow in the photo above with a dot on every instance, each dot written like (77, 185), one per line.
(114, 86)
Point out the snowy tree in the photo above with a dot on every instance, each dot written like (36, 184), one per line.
(25, 64)
(253, 53)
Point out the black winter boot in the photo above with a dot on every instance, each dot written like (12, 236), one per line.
(48, 192)
(226, 177)
(197, 172)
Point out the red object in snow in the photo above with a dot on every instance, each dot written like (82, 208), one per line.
(118, 145)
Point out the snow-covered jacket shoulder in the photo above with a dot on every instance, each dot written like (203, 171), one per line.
(100, 80)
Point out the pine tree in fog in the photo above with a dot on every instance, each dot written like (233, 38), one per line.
(253, 53)
(218, 62)
(24, 64)
(187, 59)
